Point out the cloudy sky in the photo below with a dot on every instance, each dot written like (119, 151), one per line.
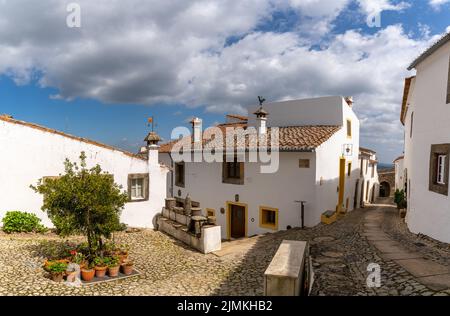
(177, 59)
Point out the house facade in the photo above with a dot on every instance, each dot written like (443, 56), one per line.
(400, 175)
(318, 163)
(368, 185)
(30, 152)
(425, 112)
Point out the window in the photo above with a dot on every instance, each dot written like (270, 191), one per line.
(439, 169)
(448, 85)
(349, 128)
(179, 174)
(268, 217)
(411, 127)
(233, 172)
(440, 179)
(138, 187)
(210, 212)
(303, 163)
(349, 171)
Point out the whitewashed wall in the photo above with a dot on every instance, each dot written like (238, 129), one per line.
(428, 212)
(399, 174)
(203, 181)
(28, 154)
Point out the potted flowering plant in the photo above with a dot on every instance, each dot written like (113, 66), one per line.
(113, 264)
(87, 272)
(57, 270)
(127, 267)
(100, 267)
(123, 253)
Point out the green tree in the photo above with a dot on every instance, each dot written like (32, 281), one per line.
(85, 201)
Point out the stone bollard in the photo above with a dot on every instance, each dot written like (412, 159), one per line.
(187, 205)
(196, 211)
(170, 203)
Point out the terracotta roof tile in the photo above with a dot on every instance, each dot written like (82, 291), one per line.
(293, 138)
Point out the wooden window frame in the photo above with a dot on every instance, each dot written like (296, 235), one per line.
(304, 163)
(233, 180)
(178, 182)
(262, 224)
(349, 128)
(437, 151)
(146, 186)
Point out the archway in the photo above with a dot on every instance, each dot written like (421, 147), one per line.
(385, 189)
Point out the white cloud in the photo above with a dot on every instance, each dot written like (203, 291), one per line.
(377, 6)
(437, 4)
(173, 51)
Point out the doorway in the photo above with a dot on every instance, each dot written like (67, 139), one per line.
(237, 220)
(385, 189)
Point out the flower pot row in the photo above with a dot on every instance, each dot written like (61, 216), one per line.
(88, 274)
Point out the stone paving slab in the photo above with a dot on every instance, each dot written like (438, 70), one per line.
(388, 246)
(378, 238)
(422, 267)
(436, 282)
(401, 255)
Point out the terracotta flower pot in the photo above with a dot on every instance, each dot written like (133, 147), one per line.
(123, 257)
(87, 274)
(57, 277)
(113, 271)
(100, 272)
(127, 268)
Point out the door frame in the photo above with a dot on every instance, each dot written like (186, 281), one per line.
(245, 206)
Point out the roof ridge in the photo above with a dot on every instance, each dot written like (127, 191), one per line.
(10, 119)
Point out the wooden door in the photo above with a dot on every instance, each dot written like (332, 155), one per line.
(237, 221)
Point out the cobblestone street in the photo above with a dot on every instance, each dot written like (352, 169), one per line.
(341, 253)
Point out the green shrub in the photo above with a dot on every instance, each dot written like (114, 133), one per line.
(22, 222)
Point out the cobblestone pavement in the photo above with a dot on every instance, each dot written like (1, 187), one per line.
(340, 255)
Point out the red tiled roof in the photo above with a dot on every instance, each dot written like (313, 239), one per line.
(294, 138)
(405, 98)
(10, 119)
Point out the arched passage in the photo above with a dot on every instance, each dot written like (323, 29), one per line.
(385, 189)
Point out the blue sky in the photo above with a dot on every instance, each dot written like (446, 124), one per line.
(207, 58)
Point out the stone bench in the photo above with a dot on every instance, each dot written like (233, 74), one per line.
(285, 275)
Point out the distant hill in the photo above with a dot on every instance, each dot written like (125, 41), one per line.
(385, 166)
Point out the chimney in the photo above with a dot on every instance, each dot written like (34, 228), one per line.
(261, 120)
(196, 129)
(152, 140)
(349, 101)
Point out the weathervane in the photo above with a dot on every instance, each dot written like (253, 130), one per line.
(152, 122)
(261, 100)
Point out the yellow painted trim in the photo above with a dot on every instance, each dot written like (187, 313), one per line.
(213, 211)
(268, 226)
(228, 208)
(349, 135)
(342, 165)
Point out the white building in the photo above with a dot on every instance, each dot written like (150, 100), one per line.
(30, 152)
(425, 115)
(318, 164)
(400, 175)
(368, 174)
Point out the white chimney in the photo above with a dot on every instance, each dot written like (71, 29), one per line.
(152, 140)
(261, 120)
(197, 129)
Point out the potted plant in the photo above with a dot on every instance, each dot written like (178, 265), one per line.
(113, 266)
(57, 270)
(123, 253)
(79, 259)
(100, 267)
(87, 272)
(127, 267)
